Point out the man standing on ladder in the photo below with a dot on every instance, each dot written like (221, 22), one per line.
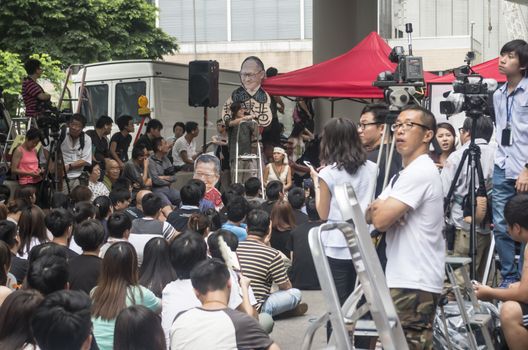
(33, 94)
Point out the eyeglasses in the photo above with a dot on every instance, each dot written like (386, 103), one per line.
(407, 126)
(203, 175)
(364, 125)
(249, 75)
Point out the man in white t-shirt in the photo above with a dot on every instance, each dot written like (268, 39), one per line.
(184, 150)
(410, 210)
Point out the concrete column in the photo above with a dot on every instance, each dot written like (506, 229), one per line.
(338, 25)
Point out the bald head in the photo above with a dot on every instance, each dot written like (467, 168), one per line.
(139, 198)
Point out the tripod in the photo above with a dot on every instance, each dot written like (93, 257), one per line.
(55, 157)
(472, 154)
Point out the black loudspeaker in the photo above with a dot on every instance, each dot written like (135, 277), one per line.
(203, 83)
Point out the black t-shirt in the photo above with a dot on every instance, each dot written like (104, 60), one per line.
(122, 144)
(300, 217)
(19, 268)
(302, 273)
(267, 206)
(84, 272)
(279, 240)
(179, 218)
(100, 148)
(146, 142)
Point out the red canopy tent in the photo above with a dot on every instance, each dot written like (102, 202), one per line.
(488, 69)
(349, 75)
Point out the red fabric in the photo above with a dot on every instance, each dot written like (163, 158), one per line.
(488, 69)
(349, 75)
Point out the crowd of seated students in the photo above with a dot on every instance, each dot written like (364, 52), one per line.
(123, 255)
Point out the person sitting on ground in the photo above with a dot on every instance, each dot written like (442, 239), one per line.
(253, 188)
(178, 129)
(296, 197)
(279, 170)
(282, 223)
(163, 173)
(236, 213)
(136, 170)
(184, 149)
(197, 328)
(99, 136)
(15, 319)
(117, 288)
(80, 193)
(204, 203)
(32, 229)
(85, 268)
(207, 168)
(149, 226)
(103, 210)
(62, 322)
(60, 223)
(120, 141)
(48, 273)
(200, 224)
(515, 307)
(138, 328)
(302, 274)
(185, 252)
(153, 131)
(137, 211)
(156, 270)
(274, 192)
(94, 184)
(254, 254)
(120, 199)
(9, 235)
(24, 162)
(7, 281)
(111, 173)
(119, 225)
(190, 195)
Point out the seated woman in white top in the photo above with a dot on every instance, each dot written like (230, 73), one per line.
(279, 170)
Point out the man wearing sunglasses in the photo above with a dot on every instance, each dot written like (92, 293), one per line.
(410, 211)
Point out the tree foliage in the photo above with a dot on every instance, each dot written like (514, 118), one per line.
(83, 31)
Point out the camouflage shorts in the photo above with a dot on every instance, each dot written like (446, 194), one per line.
(416, 310)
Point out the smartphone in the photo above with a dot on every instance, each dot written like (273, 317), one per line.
(307, 163)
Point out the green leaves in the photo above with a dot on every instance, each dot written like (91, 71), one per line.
(83, 31)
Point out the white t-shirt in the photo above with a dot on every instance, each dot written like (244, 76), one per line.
(416, 247)
(179, 296)
(72, 152)
(181, 144)
(334, 242)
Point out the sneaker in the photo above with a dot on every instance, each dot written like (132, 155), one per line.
(505, 283)
(298, 311)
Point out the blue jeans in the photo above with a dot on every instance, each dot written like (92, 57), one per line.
(281, 301)
(503, 190)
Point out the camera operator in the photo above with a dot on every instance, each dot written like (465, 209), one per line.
(32, 93)
(76, 150)
(483, 133)
(510, 174)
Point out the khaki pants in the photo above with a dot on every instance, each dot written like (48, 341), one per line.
(462, 249)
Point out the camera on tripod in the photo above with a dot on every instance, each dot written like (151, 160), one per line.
(51, 120)
(471, 92)
(400, 87)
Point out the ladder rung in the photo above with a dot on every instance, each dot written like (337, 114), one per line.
(248, 156)
(365, 328)
(480, 320)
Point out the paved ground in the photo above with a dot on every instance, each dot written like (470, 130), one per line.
(289, 333)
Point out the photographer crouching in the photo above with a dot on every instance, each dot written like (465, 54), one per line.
(33, 94)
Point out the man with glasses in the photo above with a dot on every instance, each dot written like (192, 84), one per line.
(254, 99)
(410, 211)
(76, 150)
(370, 128)
(207, 169)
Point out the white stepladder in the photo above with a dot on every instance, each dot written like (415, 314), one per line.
(346, 319)
(250, 156)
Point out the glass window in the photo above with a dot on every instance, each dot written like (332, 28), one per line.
(126, 97)
(95, 102)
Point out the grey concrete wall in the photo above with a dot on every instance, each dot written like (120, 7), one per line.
(338, 25)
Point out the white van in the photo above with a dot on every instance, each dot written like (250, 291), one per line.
(113, 89)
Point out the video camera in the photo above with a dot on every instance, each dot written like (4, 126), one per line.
(471, 92)
(401, 86)
(51, 120)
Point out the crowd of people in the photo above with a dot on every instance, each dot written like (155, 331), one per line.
(119, 258)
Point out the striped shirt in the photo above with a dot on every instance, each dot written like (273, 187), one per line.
(30, 91)
(263, 266)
